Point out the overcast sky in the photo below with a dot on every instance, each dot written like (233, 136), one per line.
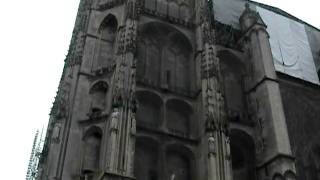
(34, 39)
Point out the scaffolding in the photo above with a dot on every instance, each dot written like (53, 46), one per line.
(35, 156)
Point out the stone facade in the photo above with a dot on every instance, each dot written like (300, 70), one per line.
(152, 91)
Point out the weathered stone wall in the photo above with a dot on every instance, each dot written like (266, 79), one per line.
(301, 103)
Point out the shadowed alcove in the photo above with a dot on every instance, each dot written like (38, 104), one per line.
(179, 163)
(232, 71)
(92, 146)
(98, 93)
(242, 152)
(105, 43)
(150, 109)
(178, 115)
(146, 159)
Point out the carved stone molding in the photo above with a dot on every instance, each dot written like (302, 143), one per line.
(108, 4)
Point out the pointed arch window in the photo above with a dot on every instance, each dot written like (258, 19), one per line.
(98, 93)
(164, 58)
(105, 45)
(92, 145)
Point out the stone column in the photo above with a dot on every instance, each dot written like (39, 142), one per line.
(216, 125)
(124, 102)
(212, 160)
(272, 145)
(227, 156)
(114, 127)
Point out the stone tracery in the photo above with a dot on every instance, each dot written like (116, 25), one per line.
(176, 10)
(164, 58)
(105, 44)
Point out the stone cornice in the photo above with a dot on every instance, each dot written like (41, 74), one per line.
(275, 158)
(167, 18)
(255, 28)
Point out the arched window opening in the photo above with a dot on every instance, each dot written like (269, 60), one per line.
(243, 156)
(146, 160)
(98, 94)
(177, 63)
(105, 49)
(92, 145)
(178, 166)
(150, 109)
(178, 114)
(232, 73)
(164, 58)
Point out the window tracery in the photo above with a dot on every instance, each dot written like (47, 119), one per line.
(105, 45)
(164, 58)
(174, 9)
(98, 94)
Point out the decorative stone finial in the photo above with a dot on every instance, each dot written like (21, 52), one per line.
(249, 17)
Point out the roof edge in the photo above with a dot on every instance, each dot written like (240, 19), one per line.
(282, 12)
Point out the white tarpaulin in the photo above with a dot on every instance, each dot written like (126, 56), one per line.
(290, 46)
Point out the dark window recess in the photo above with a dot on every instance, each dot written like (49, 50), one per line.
(95, 110)
(152, 175)
(86, 175)
(168, 77)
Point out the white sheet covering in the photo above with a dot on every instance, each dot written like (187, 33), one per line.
(289, 41)
(290, 47)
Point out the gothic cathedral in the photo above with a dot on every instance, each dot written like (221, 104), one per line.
(160, 90)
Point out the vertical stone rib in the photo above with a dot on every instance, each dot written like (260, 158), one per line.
(124, 95)
(275, 156)
(213, 100)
